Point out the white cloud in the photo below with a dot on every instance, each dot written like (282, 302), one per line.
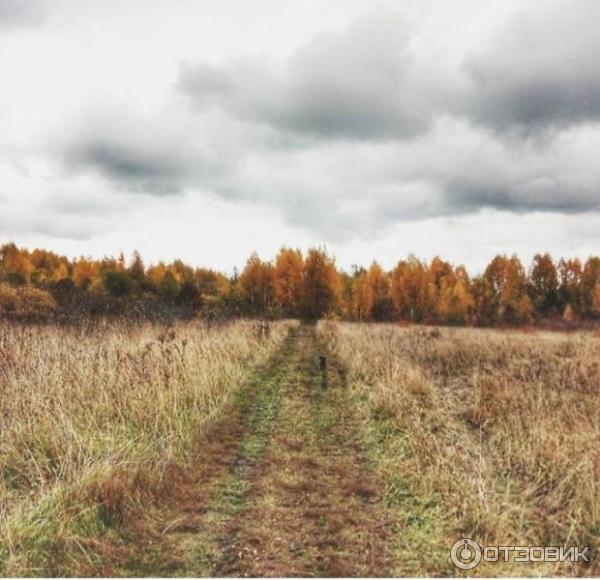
(211, 130)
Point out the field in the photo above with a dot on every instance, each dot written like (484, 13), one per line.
(229, 450)
(492, 435)
(92, 416)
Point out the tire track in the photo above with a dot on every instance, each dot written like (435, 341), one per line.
(313, 508)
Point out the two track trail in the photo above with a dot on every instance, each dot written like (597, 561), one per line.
(313, 506)
(282, 486)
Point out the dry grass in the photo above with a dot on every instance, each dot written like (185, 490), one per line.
(79, 406)
(500, 430)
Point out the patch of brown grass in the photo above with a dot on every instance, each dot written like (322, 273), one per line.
(502, 427)
(91, 420)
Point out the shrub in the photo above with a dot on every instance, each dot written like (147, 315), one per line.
(8, 300)
(26, 303)
(35, 305)
(117, 283)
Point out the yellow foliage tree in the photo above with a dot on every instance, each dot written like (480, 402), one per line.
(16, 263)
(362, 295)
(256, 283)
(287, 280)
(322, 286)
(85, 273)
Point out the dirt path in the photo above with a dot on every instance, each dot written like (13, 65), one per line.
(313, 507)
(280, 486)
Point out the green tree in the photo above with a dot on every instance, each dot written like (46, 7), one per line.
(168, 287)
(116, 283)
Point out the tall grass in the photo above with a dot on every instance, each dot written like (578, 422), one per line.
(79, 405)
(500, 429)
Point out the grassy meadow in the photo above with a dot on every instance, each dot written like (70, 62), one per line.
(198, 449)
(90, 415)
(487, 434)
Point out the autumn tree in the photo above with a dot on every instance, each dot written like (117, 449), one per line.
(441, 283)
(60, 272)
(569, 285)
(155, 274)
(590, 277)
(346, 304)
(412, 290)
(211, 283)
(287, 281)
(543, 284)
(362, 297)
(508, 284)
(16, 264)
(136, 270)
(321, 285)
(108, 264)
(85, 273)
(313, 287)
(455, 303)
(256, 285)
(47, 267)
(121, 266)
(181, 271)
(485, 305)
(380, 285)
(232, 302)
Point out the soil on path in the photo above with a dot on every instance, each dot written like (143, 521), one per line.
(279, 486)
(313, 506)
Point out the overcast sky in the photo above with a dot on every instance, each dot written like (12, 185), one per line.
(208, 129)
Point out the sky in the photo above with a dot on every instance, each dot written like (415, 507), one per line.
(205, 130)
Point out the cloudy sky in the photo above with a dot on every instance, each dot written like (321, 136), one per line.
(205, 129)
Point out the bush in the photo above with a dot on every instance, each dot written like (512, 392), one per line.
(117, 283)
(26, 303)
(35, 304)
(189, 295)
(9, 300)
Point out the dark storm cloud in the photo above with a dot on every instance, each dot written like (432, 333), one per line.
(539, 71)
(472, 169)
(139, 167)
(142, 155)
(362, 83)
(545, 194)
(358, 130)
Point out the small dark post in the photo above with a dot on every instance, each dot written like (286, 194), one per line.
(323, 367)
(264, 330)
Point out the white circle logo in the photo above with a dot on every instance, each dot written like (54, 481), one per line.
(465, 554)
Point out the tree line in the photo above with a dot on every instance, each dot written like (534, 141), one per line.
(40, 284)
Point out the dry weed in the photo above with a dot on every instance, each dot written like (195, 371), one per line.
(82, 410)
(502, 427)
